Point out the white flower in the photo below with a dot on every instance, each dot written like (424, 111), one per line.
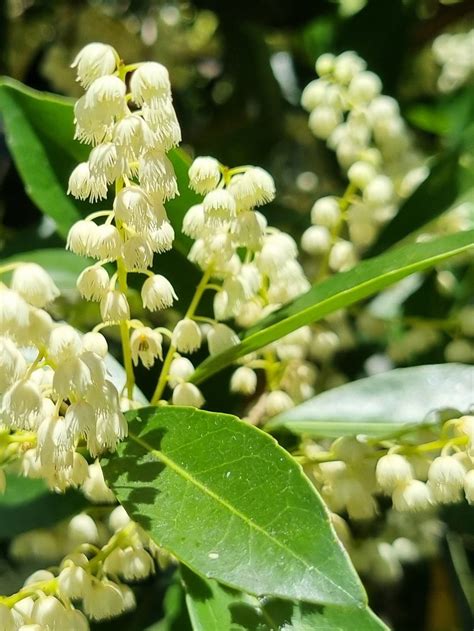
(104, 162)
(248, 230)
(221, 337)
(114, 307)
(7, 621)
(393, 470)
(133, 206)
(244, 381)
(361, 174)
(64, 343)
(187, 394)
(83, 185)
(14, 312)
(187, 336)
(50, 613)
(324, 344)
(161, 239)
(157, 293)
(82, 529)
(412, 496)
(364, 87)
(314, 94)
(136, 564)
(95, 488)
(137, 253)
(103, 600)
(316, 240)
(118, 519)
(80, 418)
(12, 363)
(131, 134)
(81, 237)
(149, 82)
(326, 212)
(325, 63)
(146, 345)
(204, 174)
(194, 222)
(73, 581)
(446, 470)
(20, 404)
(276, 402)
(157, 174)
(323, 120)
(219, 207)
(181, 370)
(469, 486)
(96, 343)
(106, 243)
(379, 191)
(276, 251)
(93, 282)
(107, 95)
(342, 256)
(94, 61)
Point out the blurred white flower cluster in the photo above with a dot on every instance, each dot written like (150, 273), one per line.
(454, 52)
(96, 560)
(374, 148)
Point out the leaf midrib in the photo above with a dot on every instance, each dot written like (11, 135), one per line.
(192, 480)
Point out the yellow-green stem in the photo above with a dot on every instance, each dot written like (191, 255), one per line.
(161, 385)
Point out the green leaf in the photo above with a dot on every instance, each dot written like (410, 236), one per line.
(63, 266)
(230, 503)
(390, 402)
(340, 291)
(213, 607)
(28, 504)
(432, 198)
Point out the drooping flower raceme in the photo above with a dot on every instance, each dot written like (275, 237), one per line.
(127, 115)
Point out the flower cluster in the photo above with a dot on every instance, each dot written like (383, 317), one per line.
(453, 52)
(253, 269)
(55, 391)
(130, 147)
(374, 148)
(353, 473)
(100, 558)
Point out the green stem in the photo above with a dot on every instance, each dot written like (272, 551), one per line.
(161, 385)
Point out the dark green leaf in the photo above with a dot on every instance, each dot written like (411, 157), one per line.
(385, 403)
(213, 607)
(27, 504)
(337, 292)
(432, 198)
(231, 504)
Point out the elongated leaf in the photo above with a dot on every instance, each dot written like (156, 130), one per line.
(231, 504)
(28, 504)
(40, 134)
(337, 292)
(389, 402)
(213, 607)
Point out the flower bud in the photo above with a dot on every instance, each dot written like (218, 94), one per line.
(393, 470)
(181, 370)
(316, 240)
(244, 381)
(220, 338)
(114, 307)
(326, 212)
(277, 402)
(187, 394)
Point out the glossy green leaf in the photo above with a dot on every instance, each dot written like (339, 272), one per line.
(389, 402)
(63, 266)
(340, 291)
(230, 503)
(28, 504)
(213, 607)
